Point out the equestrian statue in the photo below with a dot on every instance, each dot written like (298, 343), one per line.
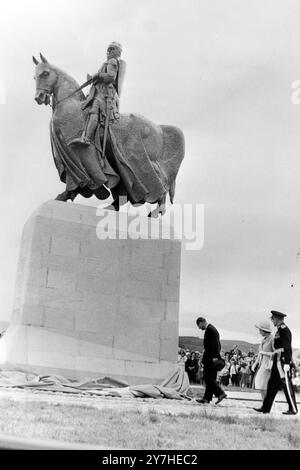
(98, 151)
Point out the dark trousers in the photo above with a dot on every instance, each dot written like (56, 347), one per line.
(212, 387)
(275, 384)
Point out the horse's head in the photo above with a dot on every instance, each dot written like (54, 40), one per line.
(45, 77)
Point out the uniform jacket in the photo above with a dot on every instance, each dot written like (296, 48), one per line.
(283, 339)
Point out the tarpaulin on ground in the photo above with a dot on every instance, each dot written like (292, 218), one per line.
(175, 386)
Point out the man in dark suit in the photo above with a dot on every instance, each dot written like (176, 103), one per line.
(212, 348)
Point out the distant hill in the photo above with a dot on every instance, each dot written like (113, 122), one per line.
(196, 344)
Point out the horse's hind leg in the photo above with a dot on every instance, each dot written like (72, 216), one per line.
(120, 198)
(160, 209)
(114, 206)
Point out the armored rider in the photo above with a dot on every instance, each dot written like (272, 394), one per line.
(103, 99)
(280, 374)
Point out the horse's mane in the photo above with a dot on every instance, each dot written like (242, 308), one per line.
(66, 77)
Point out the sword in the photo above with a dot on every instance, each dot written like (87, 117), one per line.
(88, 82)
(290, 392)
(108, 110)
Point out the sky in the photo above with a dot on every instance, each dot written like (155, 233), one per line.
(223, 73)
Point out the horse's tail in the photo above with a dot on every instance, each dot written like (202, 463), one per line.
(172, 155)
(172, 191)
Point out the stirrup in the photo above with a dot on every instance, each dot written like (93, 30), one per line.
(80, 141)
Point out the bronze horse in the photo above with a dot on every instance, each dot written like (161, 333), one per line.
(141, 159)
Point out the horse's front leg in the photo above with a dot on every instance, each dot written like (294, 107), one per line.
(66, 195)
(160, 209)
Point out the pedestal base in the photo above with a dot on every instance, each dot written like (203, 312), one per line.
(86, 306)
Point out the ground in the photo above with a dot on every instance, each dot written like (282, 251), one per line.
(135, 423)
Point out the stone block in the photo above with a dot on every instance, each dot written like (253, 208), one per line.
(105, 366)
(30, 296)
(170, 293)
(66, 211)
(95, 322)
(64, 246)
(141, 308)
(58, 318)
(51, 360)
(105, 266)
(89, 218)
(61, 280)
(136, 348)
(16, 317)
(95, 349)
(168, 350)
(33, 315)
(56, 298)
(43, 340)
(149, 370)
(169, 329)
(172, 309)
(97, 338)
(132, 327)
(36, 277)
(40, 245)
(97, 285)
(174, 277)
(146, 264)
(100, 304)
(62, 263)
(139, 289)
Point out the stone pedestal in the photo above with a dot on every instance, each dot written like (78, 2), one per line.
(86, 306)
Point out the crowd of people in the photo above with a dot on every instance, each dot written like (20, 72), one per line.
(239, 368)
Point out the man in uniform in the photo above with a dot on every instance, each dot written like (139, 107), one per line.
(103, 99)
(280, 374)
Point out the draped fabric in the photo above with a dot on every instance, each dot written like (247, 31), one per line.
(82, 168)
(175, 386)
(137, 154)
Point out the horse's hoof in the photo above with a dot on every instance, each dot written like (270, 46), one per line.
(153, 214)
(72, 195)
(66, 195)
(63, 197)
(110, 208)
(102, 192)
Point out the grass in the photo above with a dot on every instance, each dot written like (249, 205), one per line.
(146, 428)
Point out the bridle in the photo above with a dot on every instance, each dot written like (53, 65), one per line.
(54, 102)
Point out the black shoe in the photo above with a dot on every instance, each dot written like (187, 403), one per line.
(289, 412)
(220, 398)
(62, 197)
(202, 401)
(260, 410)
